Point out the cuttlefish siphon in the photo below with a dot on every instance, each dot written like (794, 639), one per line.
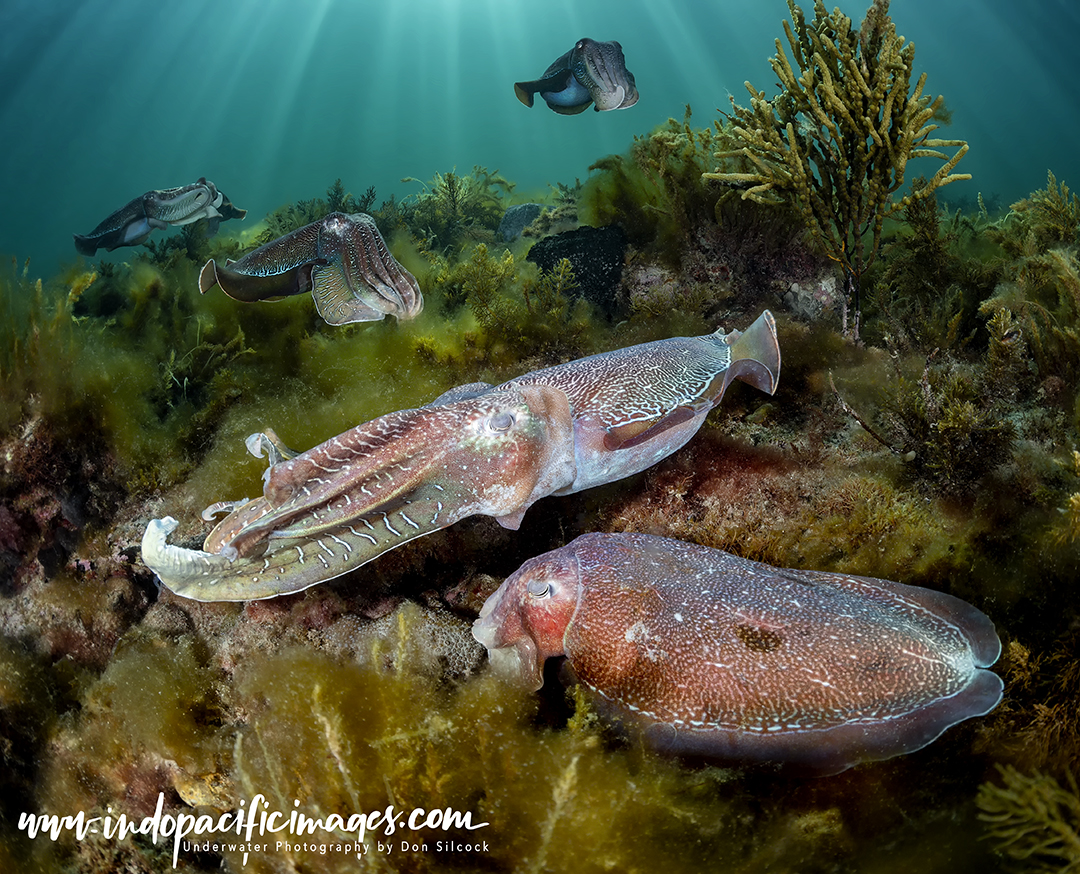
(476, 450)
(591, 72)
(132, 223)
(341, 259)
(707, 654)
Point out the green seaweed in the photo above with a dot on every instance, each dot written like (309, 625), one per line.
(522, 313)
(1048, 217)
(455, 209)
(1033, 819)
(943, 420)
(837, 139)
(676, 217)
(655, 193)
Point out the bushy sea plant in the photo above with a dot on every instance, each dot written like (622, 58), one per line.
(656, 192)
(454, 209)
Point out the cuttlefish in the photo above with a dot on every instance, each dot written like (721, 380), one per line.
(475, 450)
(591, 72)
(341, 259)
(707, 654)
(132, 223)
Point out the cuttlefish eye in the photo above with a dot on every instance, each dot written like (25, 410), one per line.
(539, 588)
(501, 421)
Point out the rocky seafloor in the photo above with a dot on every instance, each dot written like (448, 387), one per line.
(948, 465)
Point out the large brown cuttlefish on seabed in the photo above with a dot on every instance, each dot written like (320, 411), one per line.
(712, 655)
(478, 449)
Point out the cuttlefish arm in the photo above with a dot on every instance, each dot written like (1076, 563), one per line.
(341, 259)
(337, 506)
(132, 223)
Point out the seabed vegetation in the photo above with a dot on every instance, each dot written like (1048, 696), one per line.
(926, 429)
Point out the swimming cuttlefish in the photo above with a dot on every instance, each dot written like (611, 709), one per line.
(591, 72)
(341, 259)
(131, 224)
(707, 654)
(478, 449)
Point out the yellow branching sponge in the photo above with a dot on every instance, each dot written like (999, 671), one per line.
(838, 138)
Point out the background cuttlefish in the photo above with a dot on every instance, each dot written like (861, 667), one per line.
(133, 222)
(591, 72)
(713, 655)
(477, 449)
(341, 259)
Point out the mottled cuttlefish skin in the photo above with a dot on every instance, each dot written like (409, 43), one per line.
(476, 450)
(341, 259)
(712, 655)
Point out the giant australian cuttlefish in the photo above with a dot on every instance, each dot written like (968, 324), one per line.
(132, 223)
(591, 73)
(705, 653)
(341, 259)
(478, 449)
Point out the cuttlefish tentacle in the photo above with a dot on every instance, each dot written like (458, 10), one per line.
(476, 450)
(293, 566)
(341, 259)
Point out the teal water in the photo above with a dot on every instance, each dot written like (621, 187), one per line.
(274, 99)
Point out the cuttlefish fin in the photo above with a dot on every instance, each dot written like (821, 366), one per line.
(85, 245)
(461, 393)
(755, 359)
(568, 110)
(552, 82)
(525, 92)
(755, 356)
(512, 521)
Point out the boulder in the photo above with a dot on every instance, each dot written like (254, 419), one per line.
(517, 218)
(596, 254)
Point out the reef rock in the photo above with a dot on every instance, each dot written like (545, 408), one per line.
(517, 218)
(596, 254)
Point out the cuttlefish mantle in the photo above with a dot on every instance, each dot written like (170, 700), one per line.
(476, 450)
